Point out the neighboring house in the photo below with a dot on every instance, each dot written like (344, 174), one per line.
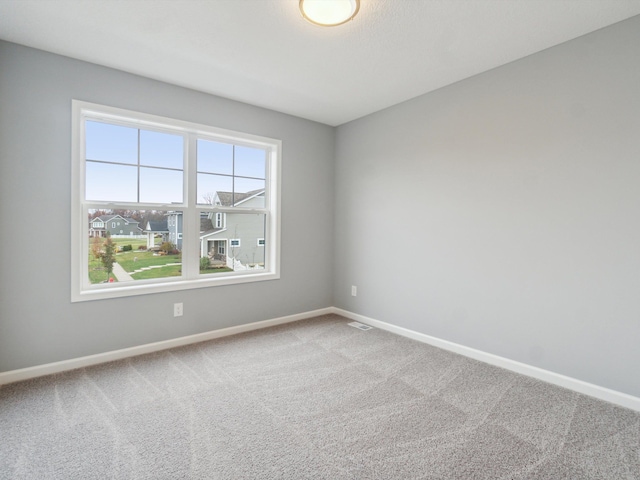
(114, 225)
(155, 228)
(235, 238)
(174, 226)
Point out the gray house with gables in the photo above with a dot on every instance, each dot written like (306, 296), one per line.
(236, 240)
(115, 226)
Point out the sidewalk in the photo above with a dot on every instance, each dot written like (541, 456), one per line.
(120, 274)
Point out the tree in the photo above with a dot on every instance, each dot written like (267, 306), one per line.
(106, 254)
(209, 198)
(96, 247)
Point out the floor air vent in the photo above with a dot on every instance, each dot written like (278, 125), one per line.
(360, 326)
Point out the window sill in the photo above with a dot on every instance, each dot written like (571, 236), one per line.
(126, 289)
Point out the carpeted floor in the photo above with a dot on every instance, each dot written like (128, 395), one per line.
(314, 399)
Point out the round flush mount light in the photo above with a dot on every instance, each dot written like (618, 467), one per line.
(329, 13)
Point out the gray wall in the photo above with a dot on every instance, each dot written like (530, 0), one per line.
(500, 213)
(503, 212)
(38, 323)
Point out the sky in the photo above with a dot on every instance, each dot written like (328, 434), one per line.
(126, 164)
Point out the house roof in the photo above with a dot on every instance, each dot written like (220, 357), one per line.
(206, 227)
(106, 218)
(205, 224)
(159, 226)
(226, 198)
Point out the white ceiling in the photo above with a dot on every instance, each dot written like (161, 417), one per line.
(262, 52)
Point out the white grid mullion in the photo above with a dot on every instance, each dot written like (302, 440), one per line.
(191, 225)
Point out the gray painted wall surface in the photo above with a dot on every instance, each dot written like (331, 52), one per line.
(38, 323)
(500, 213)
(512, 202)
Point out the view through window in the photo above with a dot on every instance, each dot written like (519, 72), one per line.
(161, 204)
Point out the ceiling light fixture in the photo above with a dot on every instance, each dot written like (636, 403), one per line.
(329, 13)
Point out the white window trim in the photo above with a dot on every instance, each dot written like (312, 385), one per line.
(81, 290)
(220, 220)
(258, 242)
(231, 244)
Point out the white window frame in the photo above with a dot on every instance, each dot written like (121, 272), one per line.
(220, 220)
(260, 244)
(231, 243)
(82, 290)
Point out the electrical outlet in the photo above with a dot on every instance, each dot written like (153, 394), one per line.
(354, 290)
(177, 309)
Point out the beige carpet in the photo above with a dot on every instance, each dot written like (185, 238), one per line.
(313, 399)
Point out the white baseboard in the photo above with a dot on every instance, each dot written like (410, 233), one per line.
(602, 393)
(580, 386)
(65, 365)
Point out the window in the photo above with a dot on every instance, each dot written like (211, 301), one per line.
(189, 187)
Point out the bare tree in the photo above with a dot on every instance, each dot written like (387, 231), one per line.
(209, 198)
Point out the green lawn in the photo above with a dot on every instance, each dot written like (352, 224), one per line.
(172, 271)
(97, 272)
(134, 242)
(215, 270)
(135, 260)
(168, 271)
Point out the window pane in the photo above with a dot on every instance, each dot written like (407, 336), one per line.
(129, 161)
(249, 192)
(109, 182)
(161, 149)
(250, 162)
(158, 185)
(219, 249)
(111, 143)
(215, 157)
(214, 189)
(143, 244)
